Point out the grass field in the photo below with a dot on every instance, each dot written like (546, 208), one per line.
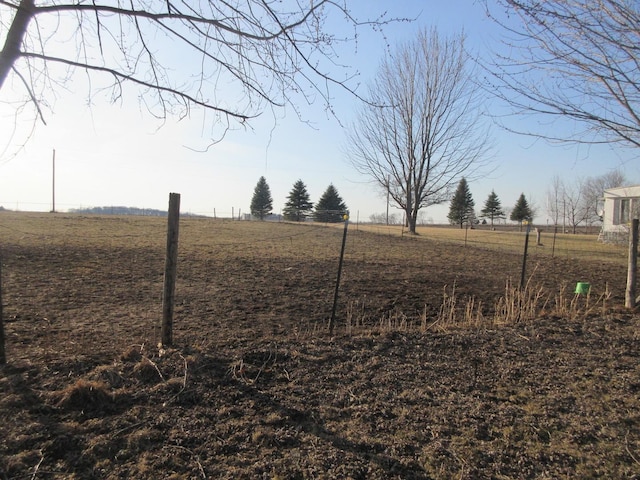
(440, 367)
(512, 240)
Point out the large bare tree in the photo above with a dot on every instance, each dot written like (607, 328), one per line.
(233, 58)
(422, 129)
(575, 59)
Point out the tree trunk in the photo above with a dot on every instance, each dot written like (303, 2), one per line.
(630, 293)
(3, 356)
(411, 221)
(15, 35)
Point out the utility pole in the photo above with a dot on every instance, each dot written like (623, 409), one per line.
(53, 208)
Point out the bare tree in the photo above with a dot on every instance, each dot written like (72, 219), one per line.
(232, 58)
(555, 200)
(422, 128)
(574, 204)
(593, 191)
(576, 59)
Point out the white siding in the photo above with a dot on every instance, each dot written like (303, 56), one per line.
(621, 205)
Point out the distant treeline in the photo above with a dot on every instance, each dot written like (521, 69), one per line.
(116, 210)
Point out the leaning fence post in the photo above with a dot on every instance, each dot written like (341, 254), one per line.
(335, 295)
(524, 257)
(630, 295)
(170, 269)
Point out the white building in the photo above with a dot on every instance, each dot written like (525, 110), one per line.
(621, 205)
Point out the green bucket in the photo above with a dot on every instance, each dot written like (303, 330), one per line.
(582, 288)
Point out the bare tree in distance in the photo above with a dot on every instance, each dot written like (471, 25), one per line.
(233, 59)
(593, 191)
(422, 128)
(577, 59)
(581, 200)
(555, 201)
(575, 205)
(382, 218)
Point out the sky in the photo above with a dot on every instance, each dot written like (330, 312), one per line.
(116, 154)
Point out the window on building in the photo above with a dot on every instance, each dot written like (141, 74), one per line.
(625, 208)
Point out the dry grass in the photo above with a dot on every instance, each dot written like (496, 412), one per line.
(198, 233)
(517, 305)
(501, 239)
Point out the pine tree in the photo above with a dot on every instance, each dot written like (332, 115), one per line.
(261, 203)
(461, 208)
(298, 205)
(492, 207)
(330, 208)
(521, 211)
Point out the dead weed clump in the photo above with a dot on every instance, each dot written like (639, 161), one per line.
(516, 305)
(110, 375)
(581, 306)
(147, 371)
(85, 395)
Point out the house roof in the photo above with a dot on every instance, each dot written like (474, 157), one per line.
(631, 191)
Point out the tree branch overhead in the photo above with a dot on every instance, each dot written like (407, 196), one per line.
(233, 58)
(571, 59)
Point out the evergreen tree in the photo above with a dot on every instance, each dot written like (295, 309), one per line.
(492, 207)
(298, 205)
(330, 208)
(461, 208)
(521, 211)
(261, 203)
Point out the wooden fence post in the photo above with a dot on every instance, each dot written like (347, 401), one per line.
(3, 357)
(332, 320)
(170, 269)
(630, 295)
(524, 257)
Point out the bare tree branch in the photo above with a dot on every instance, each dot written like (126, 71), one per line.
(571, 59)
(31, 95)
(232, 57)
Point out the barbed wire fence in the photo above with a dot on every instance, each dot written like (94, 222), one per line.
(88, 281)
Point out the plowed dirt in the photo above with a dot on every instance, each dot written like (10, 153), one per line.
(254, 387)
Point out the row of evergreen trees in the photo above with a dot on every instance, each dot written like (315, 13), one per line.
(462, 208)
(329, 209)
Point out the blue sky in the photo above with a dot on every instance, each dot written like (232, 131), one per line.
(118, 155)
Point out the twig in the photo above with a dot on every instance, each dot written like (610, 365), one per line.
(239, 368)
(128, 427)
(184, 379)
(35, 469)
(264, 365)
(156, 367)
(184, 382)
(626, 446)
(193, 454)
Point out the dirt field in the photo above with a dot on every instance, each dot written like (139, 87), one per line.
(254, 387)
